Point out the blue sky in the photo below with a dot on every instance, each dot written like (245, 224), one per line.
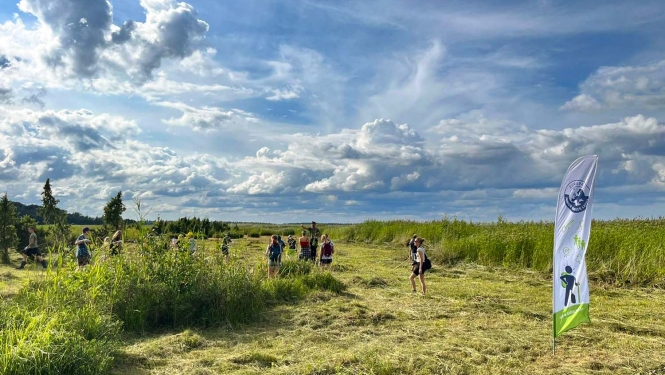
(332, 111)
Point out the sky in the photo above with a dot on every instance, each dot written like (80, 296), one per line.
(277, 111)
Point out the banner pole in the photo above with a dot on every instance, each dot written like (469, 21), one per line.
(553, 346)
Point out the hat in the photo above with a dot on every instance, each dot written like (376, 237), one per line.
(313, 222)
(86, 229)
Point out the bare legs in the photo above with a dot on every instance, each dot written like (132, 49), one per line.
(422, 282)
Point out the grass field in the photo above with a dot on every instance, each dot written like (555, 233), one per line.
(474, 320)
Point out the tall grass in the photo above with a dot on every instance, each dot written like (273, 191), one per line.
(620, 251)
(71, 321)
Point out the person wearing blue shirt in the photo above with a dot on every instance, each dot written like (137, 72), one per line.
(82, 250)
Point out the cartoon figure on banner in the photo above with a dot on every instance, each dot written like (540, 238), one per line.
(568, 281)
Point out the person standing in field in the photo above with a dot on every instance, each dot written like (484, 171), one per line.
(192, 243)
(420, 265)
(115, 245)
(274, 254)
(413, 249)
(314, 234)
(304, 246)
(327, 251)
(292, 242)
(226, 242)
(82, 250)
(32, 250)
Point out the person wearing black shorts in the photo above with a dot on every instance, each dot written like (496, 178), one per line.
(420, 265)
(32, 250)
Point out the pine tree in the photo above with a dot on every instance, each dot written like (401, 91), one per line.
(49, 209)
(113, 212)
(8, 220)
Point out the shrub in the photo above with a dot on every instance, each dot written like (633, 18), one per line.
(70, 322)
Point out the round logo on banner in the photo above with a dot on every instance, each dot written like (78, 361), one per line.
(576, 196)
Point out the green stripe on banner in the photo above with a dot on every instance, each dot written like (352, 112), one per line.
(570, 317)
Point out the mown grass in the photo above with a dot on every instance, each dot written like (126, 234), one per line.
(475, 320)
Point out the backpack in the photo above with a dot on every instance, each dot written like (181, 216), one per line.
(427, 264)
(327, 249)
(274, 252)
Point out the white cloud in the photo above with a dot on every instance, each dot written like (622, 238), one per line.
(204, 118)
(292, 92)
(622, 87)
(582, 102)
(207, 118)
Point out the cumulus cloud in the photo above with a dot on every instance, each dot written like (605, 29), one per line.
(80, 27)
(76, 39)
(379, 162)
(383, 157)
(619, 87)
(85, 154)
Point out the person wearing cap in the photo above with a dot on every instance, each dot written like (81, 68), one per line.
(420, 265)
(32, 250)
(314, 234)
(412, 248)
(82, 249)
(304, 246)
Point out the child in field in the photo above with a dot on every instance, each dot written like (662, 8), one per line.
(304, 246)
(115, 245)
(420, 265)
(192, 243)
(82, 250)
(292, 242)
(226, 242)
(327, 251)
(274, 254)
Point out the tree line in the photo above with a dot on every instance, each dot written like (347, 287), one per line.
(16, 218)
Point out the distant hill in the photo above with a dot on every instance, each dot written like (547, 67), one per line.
(74, 218)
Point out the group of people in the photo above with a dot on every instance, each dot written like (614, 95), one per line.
(82, 248)
(309, 244)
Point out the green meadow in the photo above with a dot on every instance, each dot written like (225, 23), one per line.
(487, 310)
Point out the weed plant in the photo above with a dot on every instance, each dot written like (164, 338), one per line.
(70, 321)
